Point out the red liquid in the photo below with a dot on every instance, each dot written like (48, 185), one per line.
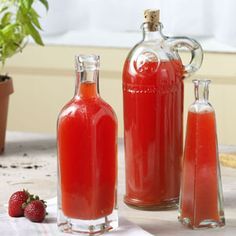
(87, 150)
(199, 199)
(153, 120)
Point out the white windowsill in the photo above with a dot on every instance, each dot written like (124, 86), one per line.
(121, 40)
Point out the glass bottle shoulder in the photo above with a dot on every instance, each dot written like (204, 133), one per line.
(152, 62)
(158, 49)
(201, 107)
(91, 108)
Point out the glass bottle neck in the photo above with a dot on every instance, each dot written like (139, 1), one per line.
(201, 90)
(87, 84)
(152, 34)
(87, 74)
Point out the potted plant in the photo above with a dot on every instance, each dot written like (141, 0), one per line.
(18, 21)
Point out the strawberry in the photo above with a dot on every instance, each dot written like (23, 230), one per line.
(15, 203)
(35, 210)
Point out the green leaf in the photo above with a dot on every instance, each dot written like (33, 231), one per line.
(9, 29)
(27, 3)
(34, 12)
(20, 16)
(30, 2)
(34, 17)
(45, 3)
(6, 19)
(18, 20)
(11, 49)
(3, 9)
(34, 34)
(1, 38)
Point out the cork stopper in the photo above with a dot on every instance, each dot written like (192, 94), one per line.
(152, 17)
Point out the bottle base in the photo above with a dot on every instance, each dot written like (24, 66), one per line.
(208, 223)
(87, 227)
(163, 205)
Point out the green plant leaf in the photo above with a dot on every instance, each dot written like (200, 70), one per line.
(8, 30)
(6, 19)
(34, 12)
(27, 3)
(1, 38)
(34, 34)
(10, 49)
(23, 10)
(34, 17)
(3, 9)
(45, 3)
(18, 20)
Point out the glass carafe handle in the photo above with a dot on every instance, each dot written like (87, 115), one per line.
(193, 46)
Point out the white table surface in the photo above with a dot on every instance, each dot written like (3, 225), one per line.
(30, 162)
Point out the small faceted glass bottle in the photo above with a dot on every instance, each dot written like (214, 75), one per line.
(153, 93)
(87, 157)
(201, 199)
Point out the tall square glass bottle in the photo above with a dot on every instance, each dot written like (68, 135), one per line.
(201, 198)
(87, 156)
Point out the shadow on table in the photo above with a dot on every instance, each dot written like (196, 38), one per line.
(50, 220)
